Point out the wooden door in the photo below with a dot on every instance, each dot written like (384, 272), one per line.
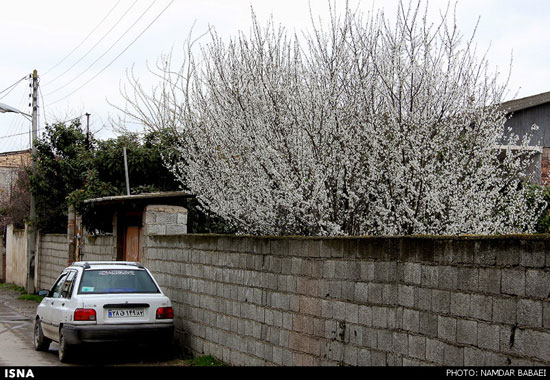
(131, 244)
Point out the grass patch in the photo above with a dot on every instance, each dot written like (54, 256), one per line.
(31, 297)
(22, 292)
(199, 361)
(205, 361)
(12, 287)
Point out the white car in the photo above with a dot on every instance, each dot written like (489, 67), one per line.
(100, 302)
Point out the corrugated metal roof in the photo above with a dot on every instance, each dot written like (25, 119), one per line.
(144, 196)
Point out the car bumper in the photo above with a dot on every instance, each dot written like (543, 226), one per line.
(138, 333)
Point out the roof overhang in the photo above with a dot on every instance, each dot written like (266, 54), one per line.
(120, 199)
(524, 103)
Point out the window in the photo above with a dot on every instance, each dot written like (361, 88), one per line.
(56, 289)
(67, 286)
(101, 281)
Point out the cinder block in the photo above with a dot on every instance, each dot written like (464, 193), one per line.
(546, 314)
(375, 293)
(529, 313)
(366, 315)
(446, 328)
(347, 270)
(532, 343)
(513, 282)
(489, 280)
(379, 317)
(367, 271)
(331, 248)
(453, 355)
(385, 340)
(460, 304)
(481, 307)
(533, 254)
(405, 295)
(361, 292)
(504, 310)
(417, 347)
(488, 336)
(466, 332)
(389, 294)
(364, 357)
(537, 284)
(401, 343)
(350, 355)
(411, 320)
(448, 278)
(468, 279)
(430, 276)
(412, 273)
(435, 351)
(428, 324)
(441, 301)
(370, 338)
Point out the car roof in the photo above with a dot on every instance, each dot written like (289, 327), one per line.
(107, 264)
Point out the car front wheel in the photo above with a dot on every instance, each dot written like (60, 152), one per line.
(41, 343)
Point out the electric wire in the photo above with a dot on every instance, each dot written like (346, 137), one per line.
(90, 50)
(84, 40)
(43, 109)
(15, 140)
(11, 88)
(118, 56)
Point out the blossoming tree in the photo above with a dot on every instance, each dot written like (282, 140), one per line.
(364, 126)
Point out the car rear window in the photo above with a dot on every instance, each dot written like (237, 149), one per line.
(101, 281)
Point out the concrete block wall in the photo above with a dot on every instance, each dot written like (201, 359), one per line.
(469, 301)
(165, 220)
(53, 257)
(99, 247)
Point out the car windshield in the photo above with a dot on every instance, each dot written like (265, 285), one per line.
(101, 281)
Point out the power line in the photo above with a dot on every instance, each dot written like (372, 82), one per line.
(91, 49)
(15, 134)
(84, 40)
(10, 88)
(118, 56)
(14, 141)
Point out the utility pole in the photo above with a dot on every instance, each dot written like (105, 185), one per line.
(31, 232)
(126, 171)
(87, 131)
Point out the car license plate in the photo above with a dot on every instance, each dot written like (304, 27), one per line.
(125, 313)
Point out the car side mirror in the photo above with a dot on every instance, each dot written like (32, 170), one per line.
(43, 293)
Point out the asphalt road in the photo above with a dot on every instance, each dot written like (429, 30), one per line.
(16, 334)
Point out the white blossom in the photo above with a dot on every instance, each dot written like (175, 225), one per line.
(361, 127)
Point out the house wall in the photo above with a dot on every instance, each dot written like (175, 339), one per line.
(522, 121)
(545, 166)
(16, 256)
(2, 260)
(358, 301)
(10, 165)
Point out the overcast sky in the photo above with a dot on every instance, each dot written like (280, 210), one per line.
(74, 45)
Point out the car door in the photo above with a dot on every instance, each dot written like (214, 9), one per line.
(49, 302)
(61, 309)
